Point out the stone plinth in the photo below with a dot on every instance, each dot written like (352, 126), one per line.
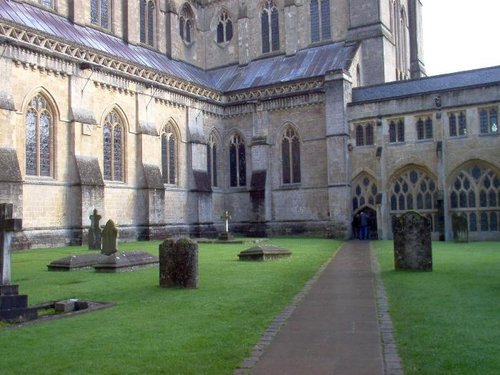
(262, 253)
(76, 262)
(130, 260)
(412, 242)
(13, 306)
(225, 236)
(179, 263)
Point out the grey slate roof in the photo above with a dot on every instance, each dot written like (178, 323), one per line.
(446, 82)
(309, 63)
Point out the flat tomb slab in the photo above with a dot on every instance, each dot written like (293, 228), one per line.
(262, 253)
(75, 262)
(127, 261)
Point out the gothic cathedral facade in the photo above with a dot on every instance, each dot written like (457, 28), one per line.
(292, 115)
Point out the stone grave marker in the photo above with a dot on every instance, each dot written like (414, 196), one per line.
(460, 227)
(13, 306)
(412, 242)
(94, 231)
(179, 263)
(264, 252)
(109, 238)
(225, 236)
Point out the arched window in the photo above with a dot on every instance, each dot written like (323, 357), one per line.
(212, 160)
(414, 190)
(320, 20)
(100, 13)
(224, 28)
(186, 24)
(290, 153)
(364, 192)
(237, 161)
(147, 20)
(399, 26)
(169, 142)
(39, 125)
(113, 147)
(475, 191)
(270, 27)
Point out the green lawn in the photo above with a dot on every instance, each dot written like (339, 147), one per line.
(447, 321)
(152, 330)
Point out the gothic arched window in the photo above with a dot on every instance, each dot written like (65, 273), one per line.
(212, 160)
(320, 20)
(39, 126)
(475, 191)
(364, 192)
(237, 161)
(113, 147)
(147, 21)
(186, 24)
(399, 26)
(169, 142)
(224, 28)
(100, 13)
(290, 153)
(414, 190)
(270, 27)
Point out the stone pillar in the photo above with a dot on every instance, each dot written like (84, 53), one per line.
(243, 34)
(179, 263)
(291, 37)
(131, 30)
(155, 203)
(417, 68)
(338, 86)
(79, 12)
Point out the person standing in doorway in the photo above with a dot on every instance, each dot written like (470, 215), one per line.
(363, 221)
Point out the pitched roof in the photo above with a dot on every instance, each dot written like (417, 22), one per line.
(308, 63)
(434, 84)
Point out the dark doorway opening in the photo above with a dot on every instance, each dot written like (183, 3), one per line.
(372, 223)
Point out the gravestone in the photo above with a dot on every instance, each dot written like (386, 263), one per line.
(225, 236)
(412, 242)
(13, 306)
(94, 231)
(109, 238)
(263, 253)
(179, 263)
(460, 227)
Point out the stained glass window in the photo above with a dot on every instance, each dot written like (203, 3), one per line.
(38, 133)
(113, 143)
(320, 20)
(270, 27)
(100, 13)
(147, 21)
(237, 161)
(224, 28)
(475, 192)
(290, 151)
(212, 160)
(365, 190)
(169, 141)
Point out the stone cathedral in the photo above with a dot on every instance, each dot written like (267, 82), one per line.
(292, 115)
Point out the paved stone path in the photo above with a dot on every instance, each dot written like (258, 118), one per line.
(335, 328)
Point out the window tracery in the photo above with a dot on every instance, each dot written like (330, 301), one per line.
(169, 157)
(270, 27)
(224, 28)
(290, 154)
(186, 24)
(237, 161)
(320, 20)
(113, 144)
(364, 192)
(212, 168)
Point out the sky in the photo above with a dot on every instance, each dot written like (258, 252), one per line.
(460, 35)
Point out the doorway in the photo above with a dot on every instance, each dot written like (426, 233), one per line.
(372, 223)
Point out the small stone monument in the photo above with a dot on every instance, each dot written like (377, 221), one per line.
(412, 242)
(109, 238)
(13, 307)
(179, 263)
(225, 236)
(263, 253)
(460, 227)
(94, 231)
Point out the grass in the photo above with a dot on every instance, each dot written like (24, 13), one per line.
(151, 330)
(447, 321)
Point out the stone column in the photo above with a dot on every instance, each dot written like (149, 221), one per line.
(243, 34)
(417, 69)
(338, 86)
(291, 37)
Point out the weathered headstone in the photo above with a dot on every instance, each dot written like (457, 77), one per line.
(225, 236)
(13, 307)
(179, 263)
(460, 227)
(94, 231)
(412, 242)
(264, 252)
(109, 238)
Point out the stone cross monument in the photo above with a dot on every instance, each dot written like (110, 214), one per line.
(7, 226)
(94, 231)
(225, 236)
